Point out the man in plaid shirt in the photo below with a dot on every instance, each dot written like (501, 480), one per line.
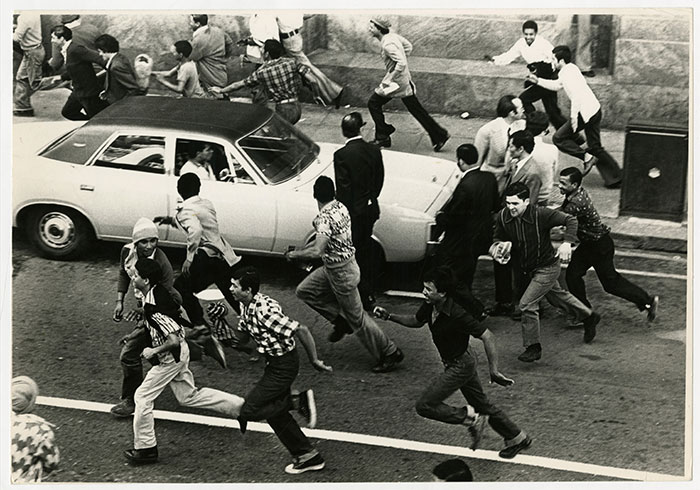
(271, 399)
(278, 76)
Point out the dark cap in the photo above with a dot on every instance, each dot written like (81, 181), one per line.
(352, 123)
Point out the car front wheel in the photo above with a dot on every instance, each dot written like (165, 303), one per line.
(58, 233)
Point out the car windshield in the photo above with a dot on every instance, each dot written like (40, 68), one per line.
(279, 150)
(77, 146)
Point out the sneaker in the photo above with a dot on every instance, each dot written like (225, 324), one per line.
(531, 354)
(652, 309)
(476, 430)
(123, 409)
(438, 146)
(307, 407)
(313, 464)
(589, 325)
(147, 455)
(511, 451)
(389, 363)
(213, 349)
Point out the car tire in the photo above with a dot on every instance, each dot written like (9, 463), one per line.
(58, 233)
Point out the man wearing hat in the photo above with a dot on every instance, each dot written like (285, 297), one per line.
(397, 83)
(359, 177)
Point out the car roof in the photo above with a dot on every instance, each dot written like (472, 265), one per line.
(230, 120)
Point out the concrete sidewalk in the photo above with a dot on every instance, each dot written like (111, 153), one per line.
(323, 124)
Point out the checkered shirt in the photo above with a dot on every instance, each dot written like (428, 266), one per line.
(167, 326)
(590, 226)
(34, 452)
(334, 222)
(279, 78)
(270, 328)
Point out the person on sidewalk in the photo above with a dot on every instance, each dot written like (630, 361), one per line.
(211, 46)
(331, 290)
(271, 398)
(596, 249)
(121, 78)
(186, 70)
(586, 114)
(28, 79)
(397, 83)
(522, 229)
(359, 177)
(277, 76)
(170, 357)
(537, 53)
(451, 327)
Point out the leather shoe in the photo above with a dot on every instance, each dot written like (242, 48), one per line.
(511, 451)
(531, 354)
(382, 143)
(588, 165)
(341, 328)
(500, 309)
(589, 325)
(653, 309)
(438, 146)
(123, 409)
(588, 73)
(389, 363)
(147, 455)
(615, 185)
(242, 425)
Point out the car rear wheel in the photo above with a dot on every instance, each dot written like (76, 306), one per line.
(58, 233)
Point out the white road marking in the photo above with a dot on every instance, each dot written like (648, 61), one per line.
(556, 464)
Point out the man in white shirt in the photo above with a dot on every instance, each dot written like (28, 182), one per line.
(586, 114)
(199, 161)
(537, 53)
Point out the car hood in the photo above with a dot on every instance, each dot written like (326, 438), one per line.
(417, 182)
(28, 138)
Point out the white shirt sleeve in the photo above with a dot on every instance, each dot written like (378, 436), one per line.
(510, 55)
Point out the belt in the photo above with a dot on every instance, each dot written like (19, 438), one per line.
(287, 35)
(287, 101)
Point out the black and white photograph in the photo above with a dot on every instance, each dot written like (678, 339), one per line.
(293, 244)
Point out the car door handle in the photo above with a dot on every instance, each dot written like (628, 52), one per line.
(84, 187)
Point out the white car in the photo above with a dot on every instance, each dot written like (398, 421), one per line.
(75, 181)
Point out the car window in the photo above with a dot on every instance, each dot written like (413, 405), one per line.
(135, 152)
(207, 154)
(77, 146)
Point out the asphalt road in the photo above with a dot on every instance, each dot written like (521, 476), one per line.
(617, 402)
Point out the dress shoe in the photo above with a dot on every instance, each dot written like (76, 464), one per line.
(652, 309)
(213, 349)
(242, 425)
(337, 100)
(615, 185)
(123, 409)
(511, 451)
(531, 354)
(341, 328)
(589, 325)
(389, 363)
(588, 73)
(438, 146)
(382, 143)
(500, 309)
(476, 431)
(28, 113)
(589, 164)
(147, 455)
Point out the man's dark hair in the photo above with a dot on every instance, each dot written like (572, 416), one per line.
(248, 278)
(536, 122)
(195, 147)
(562, 53)
(201, 19)
(530, 24)
(149, 269)
(324, 189)
(188, 185)
(183, 47)
(523, 139)
(519, 190)
(453, 470)
(107, 43)
(442, 277)
(63, 32)
(575, 176)
(468, 153)
(351, 124)
(505, 105)
(274, 48)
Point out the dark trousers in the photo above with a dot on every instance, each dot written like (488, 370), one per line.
(503, 278)
(599, 254)
(382, 130)
(463, 268)
(204, 271)
(270, 400)
(549, 100)
(460, 374)
(606, 165)
(362, 226)
(74, 105)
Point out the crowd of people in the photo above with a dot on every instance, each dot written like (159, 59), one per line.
(500, 207)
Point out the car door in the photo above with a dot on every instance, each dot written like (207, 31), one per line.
(126, 180)
(245, 207)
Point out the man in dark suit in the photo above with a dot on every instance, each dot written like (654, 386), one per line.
(359, 177)
(121, 77)
(466, 219)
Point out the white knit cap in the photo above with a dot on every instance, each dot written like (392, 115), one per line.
(144, 228)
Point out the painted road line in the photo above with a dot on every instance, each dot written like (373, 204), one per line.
(387, 442)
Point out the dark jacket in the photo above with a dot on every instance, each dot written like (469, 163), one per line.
(79, 60)
(467, 217)
(359, 177)
(121, 79)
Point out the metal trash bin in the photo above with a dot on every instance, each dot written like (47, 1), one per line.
(655, 172)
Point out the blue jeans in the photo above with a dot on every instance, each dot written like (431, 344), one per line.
(460, 374)
(544, 283)
(332, 291)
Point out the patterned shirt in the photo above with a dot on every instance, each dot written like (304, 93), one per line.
(278, 77)
(167, 326)
(590, 226)
(333, 221)
(34, 452)
(270, 328)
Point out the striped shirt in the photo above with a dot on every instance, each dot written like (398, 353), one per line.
(279, 78)
(333, 221)
(270, 328)
(165, 323)
(590, 226)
